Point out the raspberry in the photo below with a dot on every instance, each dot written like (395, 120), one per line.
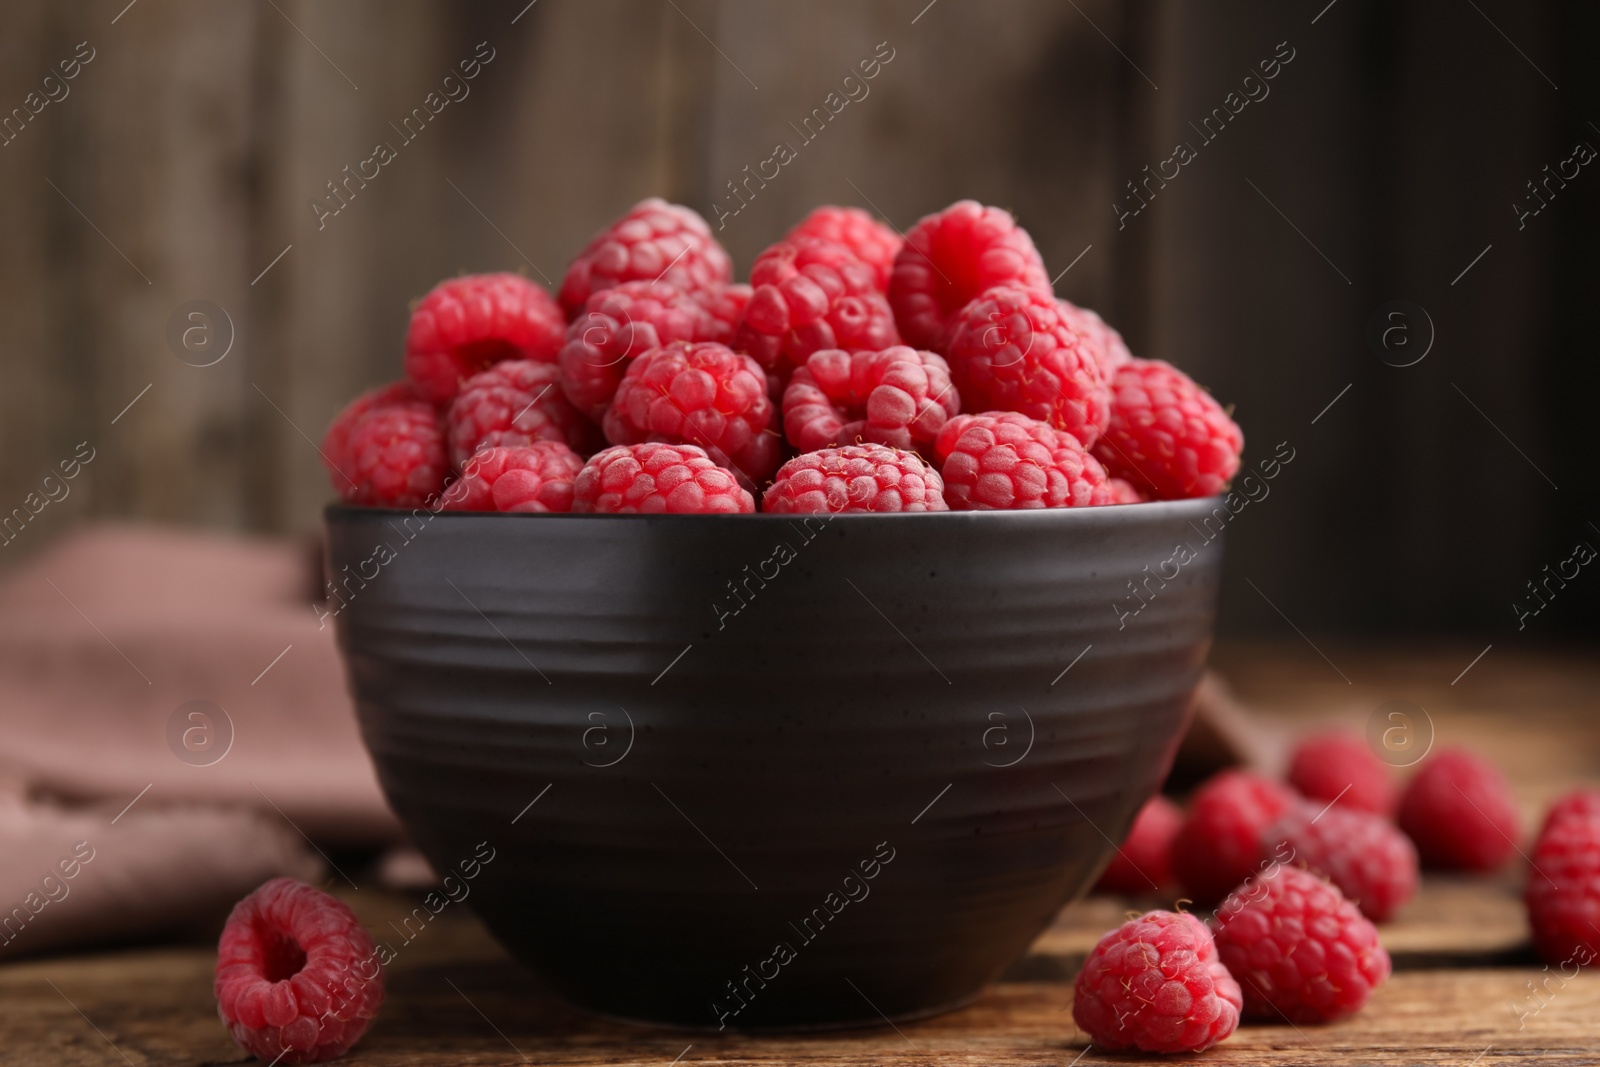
(725, 304)
(703, 394)
(1363, 854)
(1579, 802)
(1219, 844)
(873, 243)
(467, 324)
(336, 442)
(394, 456)
(618, 325)
(1155, 984)
(1004, 461)
(808, 295)
(1459, 811)
(1011, 349)
(656, 477)
(515, 402)
(537, 477)
(1141, 864)
(1563, 892)
(898, 397)
(655, 241)
(1123, 492)
(1167, 435)
(855, 478)
(297, 980)
(1108, 343)
(1298, 948)
(952, 256)
(1341, 769)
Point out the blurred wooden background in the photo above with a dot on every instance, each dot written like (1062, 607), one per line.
(183, 159)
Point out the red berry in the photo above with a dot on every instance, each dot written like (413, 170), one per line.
(1167, 435)
(1141, 864)
(1459, 811)
(467, 324)
(1580, 802)
(949, 258)
(1155, 984)
(1340, 768)
(657, 477)
(1005, 461)
(1298, 948)
(898, 397)
(725, 304)
(1219, 844)
(855, 478)
(655, 241)
(618, 325)
(873, 243)
(1108, 343)
(535, 477)
(808, 295)
(515, 402)
(1371, 862)
(702, 394)
(394, 456)
(297, 980)
(1012, 349)
(1563, 892)
(1123, 492)
(336, 442)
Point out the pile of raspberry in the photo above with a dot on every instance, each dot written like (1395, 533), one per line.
(856, 371)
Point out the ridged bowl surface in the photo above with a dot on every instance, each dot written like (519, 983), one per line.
(758, 771)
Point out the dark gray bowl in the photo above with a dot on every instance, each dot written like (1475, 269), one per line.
(754, 771)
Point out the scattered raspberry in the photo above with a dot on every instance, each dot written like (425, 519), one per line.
(1011, 349)
(725, 304)
(297, 980)
(1005, 461)
(898, 397)
(1298, 948)
(952, 256)
(1580, 802)
(1141, 864)
(1167, 435)
(1563, 892)
(467, 324)
(656, 477)
(703, 394)
(515, 402)
(1340, 768)
(336, 442)
(1155, 984)
(655, 241)
(1108, 343)
(537, 477)
(1458, 809)
(873, 243)
(1219, 844)
(394, 456)
(855, 478)
(618, 325)
(1363, 854)
(1123, 492)
(808, 295)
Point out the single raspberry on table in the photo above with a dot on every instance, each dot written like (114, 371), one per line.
(618, 325)
(654, 241)
(952, 256)
(898, 397)
(297, 979)
(1459, 811)
(1155, 984)
(873, 243)
(336, 441)
(534, 477)
(1123, 492)
(515, 402)
(1372, 863)
(725, 304)
(1167, 435)
(658, 477)
(1142, 863)
(1012, 349)
(1005, 461)
(1299, 950)
(1219, 844)
(1580, 802)
(855, 478)
(467, 324)
(1340, 768)
(1108, 343)
(1563, 890)
(701, 394)
(390, 455)
(809, 294)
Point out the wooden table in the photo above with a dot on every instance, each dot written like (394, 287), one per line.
(1462, 992)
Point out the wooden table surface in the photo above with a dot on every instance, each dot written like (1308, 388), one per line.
(1463, 991)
